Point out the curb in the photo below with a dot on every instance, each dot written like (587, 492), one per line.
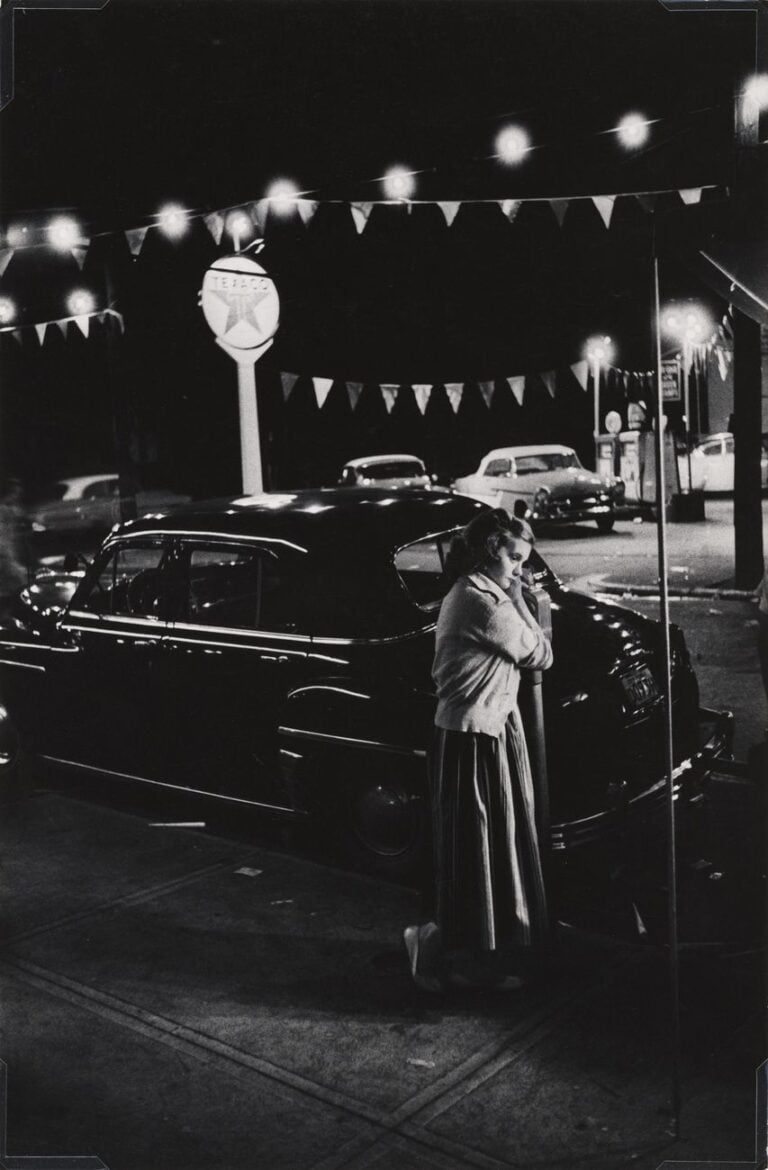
(616, 588)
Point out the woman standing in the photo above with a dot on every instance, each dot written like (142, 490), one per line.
(489, 893)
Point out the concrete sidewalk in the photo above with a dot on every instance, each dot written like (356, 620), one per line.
(173, 1000)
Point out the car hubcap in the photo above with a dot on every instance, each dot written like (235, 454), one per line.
(384, 818)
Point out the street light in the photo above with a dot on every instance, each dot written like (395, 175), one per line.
(80, 302)
(282, 196)
(512, 145)
(690, 325)
(398, 183)
(633, 131)
(7, 311)
(599, 352)
(63, 233)
(173, 221)
(239, 225)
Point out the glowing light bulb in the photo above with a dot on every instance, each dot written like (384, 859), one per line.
(63, 233)
(80, 302)
(173, 221)
(399, 183)
(756, 90)
(7, 311)
(282, 196)
(633, 131)
(512, 145)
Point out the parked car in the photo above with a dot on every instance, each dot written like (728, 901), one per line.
(389, 471)
(89, 504)
(712, 461)
(275, 651)
(550, 481)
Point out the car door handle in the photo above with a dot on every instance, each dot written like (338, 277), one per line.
(275, 658)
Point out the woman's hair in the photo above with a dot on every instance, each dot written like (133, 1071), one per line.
(479, 541)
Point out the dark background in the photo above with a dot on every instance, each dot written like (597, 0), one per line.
(207, 101)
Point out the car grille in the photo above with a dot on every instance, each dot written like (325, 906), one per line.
(565, 505)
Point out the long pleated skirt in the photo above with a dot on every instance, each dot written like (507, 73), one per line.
(488, 888)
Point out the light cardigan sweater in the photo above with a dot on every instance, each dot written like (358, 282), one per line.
(482, 641)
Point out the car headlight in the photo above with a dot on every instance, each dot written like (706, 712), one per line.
(37, 526)
(541, 501)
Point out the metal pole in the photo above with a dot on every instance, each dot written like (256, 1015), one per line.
(674, 973)
(250, 442)
(687, 409)
(596, 422)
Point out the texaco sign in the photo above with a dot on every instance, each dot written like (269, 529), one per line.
(240, 303)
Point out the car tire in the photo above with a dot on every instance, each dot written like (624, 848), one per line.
(605, 523)
(384, 823)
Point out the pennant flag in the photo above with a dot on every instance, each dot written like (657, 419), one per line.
(135, 238)
(727, 327)
(119, 318)
(548, 378)
(215, 224)
(511, 207)
(354, 390)
(40, 331)
(16, 335)
(422, 393)
(722, 364)
(307, 208)
(647, 202)
(5, 259)
(559, 206)
(455, 391)
(691, 195)
(259, 211)
(288, 381)
(450, 211)
(517, 386)
(581, 372)
(605, 205)
(83, 324)
(487, 389)
(389, 394)
(626, 381)
(360, 214)
(79, 255)
(322, 389)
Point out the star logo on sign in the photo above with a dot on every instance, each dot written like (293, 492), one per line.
(241, 306)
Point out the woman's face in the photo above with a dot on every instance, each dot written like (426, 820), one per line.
(509, 561)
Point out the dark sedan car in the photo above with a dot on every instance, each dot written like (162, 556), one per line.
(275, 651)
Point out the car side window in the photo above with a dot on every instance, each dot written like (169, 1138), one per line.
(238, 587)
(102, 489)
(130, 582)
(712, 449)
(499, 467)
(729, 446)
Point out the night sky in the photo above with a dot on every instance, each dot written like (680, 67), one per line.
(206, 101)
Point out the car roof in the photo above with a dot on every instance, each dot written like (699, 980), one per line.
(369, 460)
(375, 519)
(532, 449)
(82, 481)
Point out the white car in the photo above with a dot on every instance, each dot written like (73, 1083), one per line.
(386, 471)
(90, 503)
(712, 464)
(549, 480)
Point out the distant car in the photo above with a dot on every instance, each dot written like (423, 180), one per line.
(712, 464)
(386, 471)
(549, 480)
(89, 504)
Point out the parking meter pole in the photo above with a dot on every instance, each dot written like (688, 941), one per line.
(533, 719)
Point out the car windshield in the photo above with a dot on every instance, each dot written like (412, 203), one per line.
(48, 491)
(420, 567)
(545, 461)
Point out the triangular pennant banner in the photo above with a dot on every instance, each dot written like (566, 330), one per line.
(517, 386)
(79, 255)
(83, 324)
(691, 195)
(548, 378)
(581, 372)
(40, 331)
(422, 392)
(360, 214)
(647, 202)
(288, 381)
(559, 206)
(5, 259)
(215, 224)
(62, 326)
(354, 390)
(511, 207)
(16, 335)
(389, 394)
(259, 211)
(450, 211)
(135, 238)
(605, 205)
(307, 208)
(119, 318)
(322, 389)
(455, 391)
(487, 389)
(722, 364)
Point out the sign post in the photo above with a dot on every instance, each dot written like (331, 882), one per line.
(241, 305)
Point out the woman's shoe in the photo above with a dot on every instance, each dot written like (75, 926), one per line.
(422, 945)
